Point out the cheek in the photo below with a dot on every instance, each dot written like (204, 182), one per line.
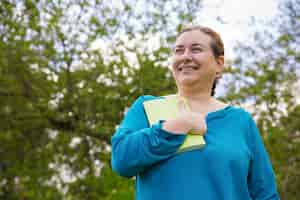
(174, 63)
(174, 72)
(200, 58)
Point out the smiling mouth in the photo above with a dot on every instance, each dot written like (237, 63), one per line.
(193, 67)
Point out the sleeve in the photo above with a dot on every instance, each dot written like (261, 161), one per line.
(261, 180)
(136, 146)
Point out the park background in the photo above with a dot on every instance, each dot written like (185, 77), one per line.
(69, 69)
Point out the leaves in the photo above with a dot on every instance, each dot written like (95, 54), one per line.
(61, 100)
(68, 71)
(267, 84)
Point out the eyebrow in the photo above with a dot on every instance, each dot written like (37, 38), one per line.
(197, 44)
(193, 45)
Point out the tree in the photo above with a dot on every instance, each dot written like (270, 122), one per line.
(264, 77)
(61, 99)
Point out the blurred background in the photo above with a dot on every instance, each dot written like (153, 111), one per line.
(70, 68)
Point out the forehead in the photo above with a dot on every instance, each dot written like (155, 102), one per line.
(193, 37)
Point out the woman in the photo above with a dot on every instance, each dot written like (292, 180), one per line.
(233, 164)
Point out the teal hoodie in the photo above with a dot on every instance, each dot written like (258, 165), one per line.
(233, 164)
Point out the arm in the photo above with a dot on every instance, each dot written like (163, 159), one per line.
(136, 146)
(261, 180)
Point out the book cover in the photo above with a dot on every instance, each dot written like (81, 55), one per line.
(165, 109)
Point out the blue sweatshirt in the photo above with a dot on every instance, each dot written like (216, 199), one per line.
(233, 165)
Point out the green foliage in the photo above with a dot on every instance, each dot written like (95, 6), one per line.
(268, 85)
(61, 99)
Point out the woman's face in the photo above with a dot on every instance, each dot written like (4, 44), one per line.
(193, 60)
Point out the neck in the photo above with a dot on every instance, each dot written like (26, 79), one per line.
(201, 95)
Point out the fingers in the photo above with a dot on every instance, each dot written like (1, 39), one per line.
(195, 120)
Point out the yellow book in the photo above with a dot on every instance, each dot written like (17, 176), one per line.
(165, 109)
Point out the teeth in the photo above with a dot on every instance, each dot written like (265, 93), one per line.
(192, 67)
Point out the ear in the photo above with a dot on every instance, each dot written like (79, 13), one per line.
(220, 66)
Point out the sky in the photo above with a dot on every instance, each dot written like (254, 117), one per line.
(231, 18)
(236, 17)
(234, 24)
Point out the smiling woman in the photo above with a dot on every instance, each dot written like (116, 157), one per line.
(233, 163)
(195, 47)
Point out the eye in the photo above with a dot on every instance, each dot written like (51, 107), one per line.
(196, 50)
(179, 50)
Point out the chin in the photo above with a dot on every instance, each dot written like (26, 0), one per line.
(187, 81)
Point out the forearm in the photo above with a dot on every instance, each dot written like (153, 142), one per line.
(133, 152)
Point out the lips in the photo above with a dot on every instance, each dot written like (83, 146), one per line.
(188, 67)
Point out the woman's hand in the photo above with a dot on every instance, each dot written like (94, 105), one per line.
(194, 121)
(186, 121)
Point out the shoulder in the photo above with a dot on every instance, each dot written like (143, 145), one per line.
(240, 113)
(233, 110)
(247, 121)
(244, 120)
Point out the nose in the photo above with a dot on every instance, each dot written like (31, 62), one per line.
(187, 56)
